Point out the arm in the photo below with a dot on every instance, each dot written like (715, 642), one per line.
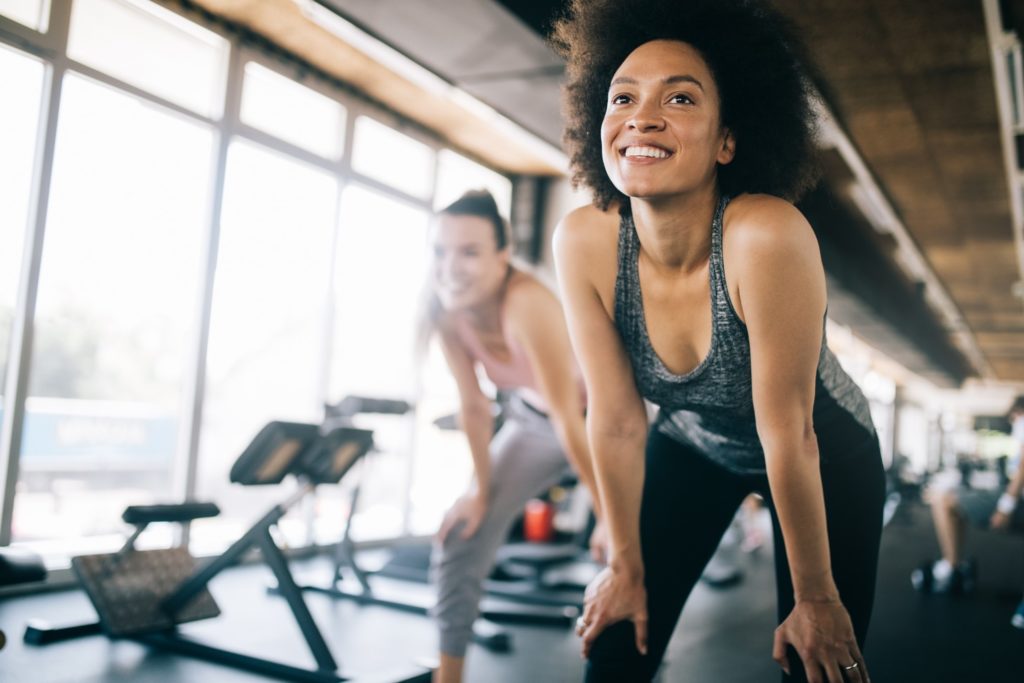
(536, 321)
(782, 288)
(616, 422)
(478, 424)
(1010, 499)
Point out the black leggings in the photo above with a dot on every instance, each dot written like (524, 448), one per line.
(689, 501)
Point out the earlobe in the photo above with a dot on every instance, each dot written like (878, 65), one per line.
(728, 151)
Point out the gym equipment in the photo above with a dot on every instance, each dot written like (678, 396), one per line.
(146, 594)
(178, 560)
(19, 567)
(352, 582)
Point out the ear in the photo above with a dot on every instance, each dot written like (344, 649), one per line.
(728, 150)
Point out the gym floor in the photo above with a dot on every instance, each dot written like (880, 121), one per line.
(724, 636)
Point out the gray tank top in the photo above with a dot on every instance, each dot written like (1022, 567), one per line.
(711, 408)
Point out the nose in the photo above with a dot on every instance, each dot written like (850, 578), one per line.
(646, 118)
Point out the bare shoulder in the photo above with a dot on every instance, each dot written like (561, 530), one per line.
(587, 231)
(760, 226)
(526, 293)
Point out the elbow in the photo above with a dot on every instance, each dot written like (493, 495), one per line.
(616, 427)
(475, 411)
(796, 439)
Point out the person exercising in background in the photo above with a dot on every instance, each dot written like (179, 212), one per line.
(488, 313)
(954, 508)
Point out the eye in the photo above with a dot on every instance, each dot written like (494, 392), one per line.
(620, 99)
(680, 98)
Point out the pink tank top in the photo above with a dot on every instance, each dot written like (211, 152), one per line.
(515, 373)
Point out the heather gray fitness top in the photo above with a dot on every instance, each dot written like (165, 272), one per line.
(711, 408)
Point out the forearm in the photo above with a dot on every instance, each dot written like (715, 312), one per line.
(795, 480)
(619, 472)
(1016, 484)
(478, 426)
(572, 434)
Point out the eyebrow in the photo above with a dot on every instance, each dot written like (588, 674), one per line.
(683, 78)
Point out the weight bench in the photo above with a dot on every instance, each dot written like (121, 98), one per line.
(146, 594)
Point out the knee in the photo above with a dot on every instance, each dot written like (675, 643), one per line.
(948, 502)
(459, 560)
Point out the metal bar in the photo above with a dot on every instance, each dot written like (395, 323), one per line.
(237, 660)
(20, 352)
(194, 393)
(999, 41)
(293, 595)
(39, 633)
(174, 602)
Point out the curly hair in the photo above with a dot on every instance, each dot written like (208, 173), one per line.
(760, 67)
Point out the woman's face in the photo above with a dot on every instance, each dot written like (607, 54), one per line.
(468, 267)
(662, 132)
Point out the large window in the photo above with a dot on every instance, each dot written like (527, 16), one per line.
(379, 272)
(386, 155)
(456, 174)
(267, 329)
(117, 291)
(185, 179)
(21, 81)
(297, 114)
(169, 56)
(31, 13)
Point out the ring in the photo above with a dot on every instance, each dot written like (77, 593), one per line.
(853, 666)
(581, 624)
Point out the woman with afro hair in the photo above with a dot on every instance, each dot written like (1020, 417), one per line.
(694, 283)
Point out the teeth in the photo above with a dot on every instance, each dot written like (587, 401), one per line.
(653, 152)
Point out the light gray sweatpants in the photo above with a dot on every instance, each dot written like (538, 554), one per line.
(526, 460)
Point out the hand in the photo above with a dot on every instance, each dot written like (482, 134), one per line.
(999, 520)
(612, 597)
(821, 633)
(599, 543)
(470, 509)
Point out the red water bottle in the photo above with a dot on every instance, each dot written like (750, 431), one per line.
(539, 521)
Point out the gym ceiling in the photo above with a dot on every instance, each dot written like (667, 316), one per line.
(913, 213)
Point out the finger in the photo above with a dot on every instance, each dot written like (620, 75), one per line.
(593, 630)
(446, 526)
(813, 670)
(779, 651)
(862, 667)
(588, 611)
(640, 627)
(833, 672)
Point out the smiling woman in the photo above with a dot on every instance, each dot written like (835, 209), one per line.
(489, 314)
(765, 88)
(691, 123)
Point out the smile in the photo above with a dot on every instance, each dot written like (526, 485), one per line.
(645, 151)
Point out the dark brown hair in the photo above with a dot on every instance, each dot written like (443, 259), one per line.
(757, 62)
(480, 203)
